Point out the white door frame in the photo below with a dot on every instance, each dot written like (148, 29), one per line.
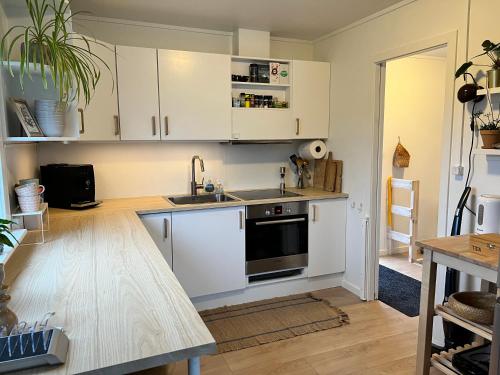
(448, 40)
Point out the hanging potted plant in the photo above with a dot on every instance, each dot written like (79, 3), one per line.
(492, 50)
(50, 49)
(489, 128)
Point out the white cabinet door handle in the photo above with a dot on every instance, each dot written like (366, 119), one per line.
(82, 120)
(117, 125)
(154, 125)
(165, 228)
(314, 218)
(242, 222)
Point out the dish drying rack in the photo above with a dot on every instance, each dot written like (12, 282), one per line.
(27, 346)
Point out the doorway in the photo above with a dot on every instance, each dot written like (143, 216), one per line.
(409, 184)
(414, 103)
(440, 47)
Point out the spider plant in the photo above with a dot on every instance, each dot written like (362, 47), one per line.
(6, 235)
(54, 50)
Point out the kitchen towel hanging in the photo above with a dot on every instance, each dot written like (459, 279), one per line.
(401, 158)
(312, 150)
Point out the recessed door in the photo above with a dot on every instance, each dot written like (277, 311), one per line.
(195, 95)
(138, 93)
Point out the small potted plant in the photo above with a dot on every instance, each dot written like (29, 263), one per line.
(6, 235)
(492, 50)
(489, 128)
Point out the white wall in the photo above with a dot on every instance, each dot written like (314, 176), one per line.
(414, 106)
(486, 171)
(352, 53)
(144, 169)
(21, 163)
(152, 35)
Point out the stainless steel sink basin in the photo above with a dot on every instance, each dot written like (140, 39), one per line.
(200, 199)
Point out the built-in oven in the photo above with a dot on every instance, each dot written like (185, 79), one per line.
(276, 237)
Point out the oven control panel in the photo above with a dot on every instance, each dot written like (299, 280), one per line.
(277, 210)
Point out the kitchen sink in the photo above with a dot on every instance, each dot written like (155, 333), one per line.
(200, 199)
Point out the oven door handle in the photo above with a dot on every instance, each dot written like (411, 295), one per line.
(285, 221)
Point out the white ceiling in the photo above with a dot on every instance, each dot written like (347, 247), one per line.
(302, 19)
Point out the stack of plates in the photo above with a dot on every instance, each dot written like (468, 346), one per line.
(51, 115)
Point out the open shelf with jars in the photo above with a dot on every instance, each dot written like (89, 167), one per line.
(260, 83)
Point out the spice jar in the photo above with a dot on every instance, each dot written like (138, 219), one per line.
(254, 73)
(247, 101)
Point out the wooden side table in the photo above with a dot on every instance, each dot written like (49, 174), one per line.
(453, 252)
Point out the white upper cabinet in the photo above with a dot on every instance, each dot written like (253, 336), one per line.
(195, 95)
(310, 99)
(99, 120)
(327, 245)
(137, 70)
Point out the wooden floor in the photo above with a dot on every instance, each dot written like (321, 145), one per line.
(379, 340)
(399, 263)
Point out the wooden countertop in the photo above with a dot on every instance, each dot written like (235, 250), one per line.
(460, 247)
(113, 293)
(158, 204)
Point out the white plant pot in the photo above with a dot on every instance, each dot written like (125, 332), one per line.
(51, 116)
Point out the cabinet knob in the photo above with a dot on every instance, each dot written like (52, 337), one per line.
(297, 129)
(166, 125)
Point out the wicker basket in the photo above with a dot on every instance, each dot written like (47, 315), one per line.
(401, 157)
(478, 307)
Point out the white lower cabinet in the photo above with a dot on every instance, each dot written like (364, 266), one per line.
(209, 250)
(327, 231)
(159, 227)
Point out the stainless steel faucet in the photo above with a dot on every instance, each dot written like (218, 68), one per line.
(194, 185)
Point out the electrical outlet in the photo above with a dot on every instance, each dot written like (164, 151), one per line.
(458, 170)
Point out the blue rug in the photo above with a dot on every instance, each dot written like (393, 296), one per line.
(399, 291)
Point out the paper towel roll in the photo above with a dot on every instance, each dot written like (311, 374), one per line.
(312, 150)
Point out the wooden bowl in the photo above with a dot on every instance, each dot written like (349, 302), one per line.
(478, 307)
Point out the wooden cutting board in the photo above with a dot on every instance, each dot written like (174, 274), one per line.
(320, 172)
(338, 176)
(330, 173)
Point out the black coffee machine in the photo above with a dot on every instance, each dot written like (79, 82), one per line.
(70, 186)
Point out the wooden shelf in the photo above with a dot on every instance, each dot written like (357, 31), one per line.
(39, 139)
(260, 85)
(487, 151)
(442, 361)
(479, 329)
(259, 109)
(494, 90)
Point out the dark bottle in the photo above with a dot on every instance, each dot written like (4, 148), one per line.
(254, 73)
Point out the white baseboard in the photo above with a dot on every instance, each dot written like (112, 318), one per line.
(396, 250)
(354, 289)
(270, 290)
